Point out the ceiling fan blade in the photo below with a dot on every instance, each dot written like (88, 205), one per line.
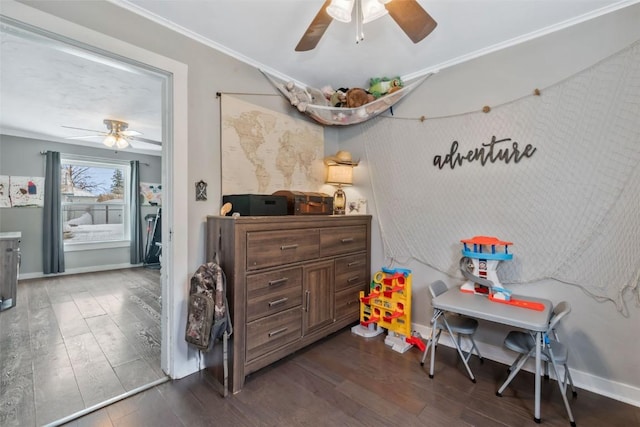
(86, 136)
(412, 18)
(88, 130)
(130, 133)
(148, 141)
(316, 29)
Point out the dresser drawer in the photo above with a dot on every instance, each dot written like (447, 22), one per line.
(348, 303)
(351, 271)
(270, 293)
(342, 240)
(272, 248)
(272, 332)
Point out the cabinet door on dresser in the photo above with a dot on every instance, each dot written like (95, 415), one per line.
(318, 301)
(351, 278)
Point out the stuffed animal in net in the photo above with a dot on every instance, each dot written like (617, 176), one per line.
(380, 86)
(357, 97)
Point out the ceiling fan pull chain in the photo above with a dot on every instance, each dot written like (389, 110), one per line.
(359, 25)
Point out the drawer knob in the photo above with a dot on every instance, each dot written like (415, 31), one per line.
(353, 279)
(278, 281)
(347, 240)
(276, 332)
(351, 264)
(278, 301)
(286, 247)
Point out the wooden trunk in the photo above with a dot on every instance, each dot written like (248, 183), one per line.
(307, 203)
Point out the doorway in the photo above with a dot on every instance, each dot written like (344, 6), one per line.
(173, 166)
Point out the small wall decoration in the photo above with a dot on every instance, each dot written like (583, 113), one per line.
(201, 191)
(5, 200)
(357, 207)
(21, 191)
(151, 194)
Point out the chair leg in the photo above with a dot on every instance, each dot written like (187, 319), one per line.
(568, 377)
(475, 347)
(562, 385)
(432, 364)
(424, 354)
(515, 362)
(521, 360)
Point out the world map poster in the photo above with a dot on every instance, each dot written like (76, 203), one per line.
(264, 151)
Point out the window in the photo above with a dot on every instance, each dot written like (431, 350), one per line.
(95, 202)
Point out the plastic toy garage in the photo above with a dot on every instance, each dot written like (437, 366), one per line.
(388, 306)
(478, 265)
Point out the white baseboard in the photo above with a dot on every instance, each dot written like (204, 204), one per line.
(615, 390)
(91, 269)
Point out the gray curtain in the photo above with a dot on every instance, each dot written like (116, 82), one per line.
(52, 241)
(135, 214)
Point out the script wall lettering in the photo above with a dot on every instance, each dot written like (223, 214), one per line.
(488, 152)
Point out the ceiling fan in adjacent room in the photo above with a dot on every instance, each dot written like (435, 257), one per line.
(116, 136)
(408, 14)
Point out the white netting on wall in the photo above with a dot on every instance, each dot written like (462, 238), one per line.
(572, 209)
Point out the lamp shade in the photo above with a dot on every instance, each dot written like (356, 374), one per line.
(372, 10)
(121, 142)
(340, 10)
(339, 174)
(110, 140)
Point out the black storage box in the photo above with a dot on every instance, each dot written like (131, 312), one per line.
(256, 204)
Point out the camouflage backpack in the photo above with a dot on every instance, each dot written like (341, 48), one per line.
(208, 314)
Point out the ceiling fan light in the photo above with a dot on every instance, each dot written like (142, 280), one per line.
(340, 10)
(121, 142)
(110, 140)
(372, 10)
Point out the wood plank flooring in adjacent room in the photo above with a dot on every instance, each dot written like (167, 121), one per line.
(74, 341)
(346, 380)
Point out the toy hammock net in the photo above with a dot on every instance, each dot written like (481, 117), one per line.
(312, 102)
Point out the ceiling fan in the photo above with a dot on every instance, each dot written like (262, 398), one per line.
(116, 136)
(408, 14)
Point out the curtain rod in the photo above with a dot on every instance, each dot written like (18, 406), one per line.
(93, 158)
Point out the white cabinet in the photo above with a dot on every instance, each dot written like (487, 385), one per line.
(9, 265)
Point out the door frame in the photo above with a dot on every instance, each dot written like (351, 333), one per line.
(174, 359)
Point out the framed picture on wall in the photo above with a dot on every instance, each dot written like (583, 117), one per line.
(151, 194)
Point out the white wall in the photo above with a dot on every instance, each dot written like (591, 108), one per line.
(604, 343)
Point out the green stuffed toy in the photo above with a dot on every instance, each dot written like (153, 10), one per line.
(384, 85)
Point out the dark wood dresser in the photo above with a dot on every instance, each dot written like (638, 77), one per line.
(291, 280)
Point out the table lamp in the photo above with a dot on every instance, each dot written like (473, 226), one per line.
(339, 174)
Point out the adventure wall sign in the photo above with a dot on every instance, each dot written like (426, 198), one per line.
(488, 152)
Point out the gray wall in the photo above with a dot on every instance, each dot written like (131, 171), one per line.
(595, 329)
(603, 341)
(21, 157)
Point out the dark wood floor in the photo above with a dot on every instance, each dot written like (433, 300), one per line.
(74, 341)
(347, 380)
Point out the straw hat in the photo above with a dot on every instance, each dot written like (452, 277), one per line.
(341, 158)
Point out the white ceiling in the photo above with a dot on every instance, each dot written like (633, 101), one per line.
(265, 33)
(46, 85)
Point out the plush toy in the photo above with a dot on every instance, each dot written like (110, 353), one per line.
(357, 97)
(298, 97)
(384, 85)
